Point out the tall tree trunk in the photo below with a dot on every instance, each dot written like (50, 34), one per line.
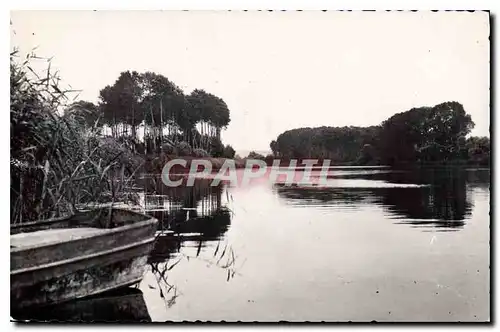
(133, 125)
(144, 130)
(134, 132)
(206, 135)
(153, 128)
(161, 125)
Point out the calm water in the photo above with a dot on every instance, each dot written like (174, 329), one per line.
(372, 245)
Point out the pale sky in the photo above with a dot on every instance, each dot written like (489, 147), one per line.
(278, 70)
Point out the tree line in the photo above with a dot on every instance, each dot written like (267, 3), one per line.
(429, 135)
(151, 114)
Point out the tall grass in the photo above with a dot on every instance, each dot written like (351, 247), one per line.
(57, 163)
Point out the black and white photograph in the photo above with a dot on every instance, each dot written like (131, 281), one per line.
(250, 166)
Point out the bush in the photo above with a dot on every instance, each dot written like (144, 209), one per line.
(200, 153)
(168, 148)
(255, 155)
(184, 149)
(110, 151)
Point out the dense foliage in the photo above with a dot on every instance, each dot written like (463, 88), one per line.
(338, 144)
(154, 115)
(426, 134)
(57, 162)
(421, 135)
(478, 150)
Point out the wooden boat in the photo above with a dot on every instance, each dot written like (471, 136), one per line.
(122, 305)
(62, 259)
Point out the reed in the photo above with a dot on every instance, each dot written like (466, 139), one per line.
(57, 162)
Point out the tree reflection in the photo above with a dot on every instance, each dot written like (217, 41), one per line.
(167, 253)
(444, 203)
(195, 231)
(193, 213)
(189, 217)
(171, 205)
(319, 196)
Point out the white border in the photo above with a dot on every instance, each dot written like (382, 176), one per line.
(491, 5)
(254, 4)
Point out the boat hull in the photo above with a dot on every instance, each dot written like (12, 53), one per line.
(77, 268)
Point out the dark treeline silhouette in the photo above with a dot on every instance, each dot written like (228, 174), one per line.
(421, 135)
(338, 144)
(150, 113)
(444, 203)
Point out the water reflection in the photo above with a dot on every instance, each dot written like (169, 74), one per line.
(124, 305)
(316, 253)
(192, 232)
(186, 213)
(442, 200)
(190, 217)
(172, 205)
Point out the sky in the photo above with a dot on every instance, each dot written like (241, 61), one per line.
(277, 70)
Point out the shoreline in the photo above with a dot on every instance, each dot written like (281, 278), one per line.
(155, 164)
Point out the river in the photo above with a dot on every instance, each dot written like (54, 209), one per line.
(375, 244)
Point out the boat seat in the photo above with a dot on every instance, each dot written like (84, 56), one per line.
(52, 235)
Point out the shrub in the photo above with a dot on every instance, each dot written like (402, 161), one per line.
(200, 153)
(184, 149)
(111, 151)
(168, 148)
(255, 155)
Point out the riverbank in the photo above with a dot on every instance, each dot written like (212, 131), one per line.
(154, 164)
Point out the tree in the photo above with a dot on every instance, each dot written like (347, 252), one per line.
(216, 148)
(119, 104)
(340, 144)
(153, 102)
(229, 152)
(255, 155)
(426, 134)
(210, 112)
(86, 113)
(478, 150)
(367, 156)
(274, 148)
